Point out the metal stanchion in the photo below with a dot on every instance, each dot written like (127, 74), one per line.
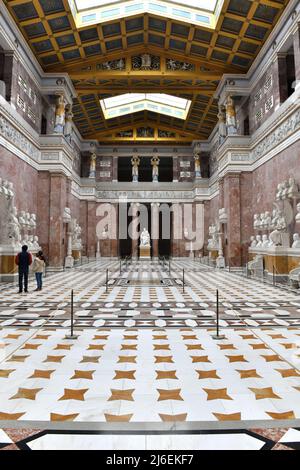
(106, 283)
(169, 268)
(120, 266)
(183, 280)
(72, 336)
(218, 336)
(274, 276)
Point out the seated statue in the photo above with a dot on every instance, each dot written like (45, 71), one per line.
(296, 240)
(145, 238)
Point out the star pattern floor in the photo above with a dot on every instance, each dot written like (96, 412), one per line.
(145, 351)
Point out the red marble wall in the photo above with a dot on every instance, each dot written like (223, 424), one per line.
(24, 178)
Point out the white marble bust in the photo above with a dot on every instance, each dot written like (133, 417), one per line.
(253, 242)
(296, 240)
(259, 241)
(265, 241)
(145, 238)
(298, 213)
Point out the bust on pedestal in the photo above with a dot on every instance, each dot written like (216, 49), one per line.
(145, 246)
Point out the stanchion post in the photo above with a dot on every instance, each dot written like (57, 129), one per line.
(183, 280)
(106, 280)
(169, 268)
(218, 336)
(273, 275)
(72, 336)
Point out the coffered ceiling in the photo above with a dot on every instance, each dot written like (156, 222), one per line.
(146, 53)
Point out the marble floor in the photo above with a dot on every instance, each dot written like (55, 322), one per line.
(145, 360)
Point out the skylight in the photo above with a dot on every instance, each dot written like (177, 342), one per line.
(156, 102)
(198, 12)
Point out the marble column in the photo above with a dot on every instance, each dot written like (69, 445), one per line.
(280, 83)
(134, 226)
(296, 44)
(57, 200)
(114, 169)
(155, 228)
(91, 229)
(175, 169)
(232, 199)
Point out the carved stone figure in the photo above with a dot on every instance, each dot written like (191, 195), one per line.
(298, 214)
(296, 240)
(293, 189)
(230, 116)
(145, 238)
(36, 244)
(59, 114)
(285, 189)
(222, 123)
(14, 229)
(197, 153)
(135, 162)
(265, 241)
(155, 163)
(253, 242)
(93, 165)
(279, 191)
(68, 122)
(256, 223)
(267, 220)
(259, 241)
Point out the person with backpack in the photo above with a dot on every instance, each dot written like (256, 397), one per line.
(23, 260)
(38, 268)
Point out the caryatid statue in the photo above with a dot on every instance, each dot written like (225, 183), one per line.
(59, 114)
(68, 121)
(222, 123)
(135, 162)
(197, 153)
(93, 165)
(230, 116)
(155, 163)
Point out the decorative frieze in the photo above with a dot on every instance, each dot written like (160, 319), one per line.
(16, 138)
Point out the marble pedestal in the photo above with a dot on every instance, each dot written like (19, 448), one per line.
(8, 268)
(145, 252)
(69, 262)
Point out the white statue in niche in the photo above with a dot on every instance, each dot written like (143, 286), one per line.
(253, 242)
(293, 188)
(145, 238)
(259, 241)
(32, 222)
(298, 213)
(296, 240)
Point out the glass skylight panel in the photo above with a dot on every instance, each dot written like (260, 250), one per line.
(198, 12)
(208, 5)
(134, 102)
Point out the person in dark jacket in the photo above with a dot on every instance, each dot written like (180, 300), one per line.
(23, 261)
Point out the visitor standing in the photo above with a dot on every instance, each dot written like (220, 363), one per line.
(23, 261)
(38, 268)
